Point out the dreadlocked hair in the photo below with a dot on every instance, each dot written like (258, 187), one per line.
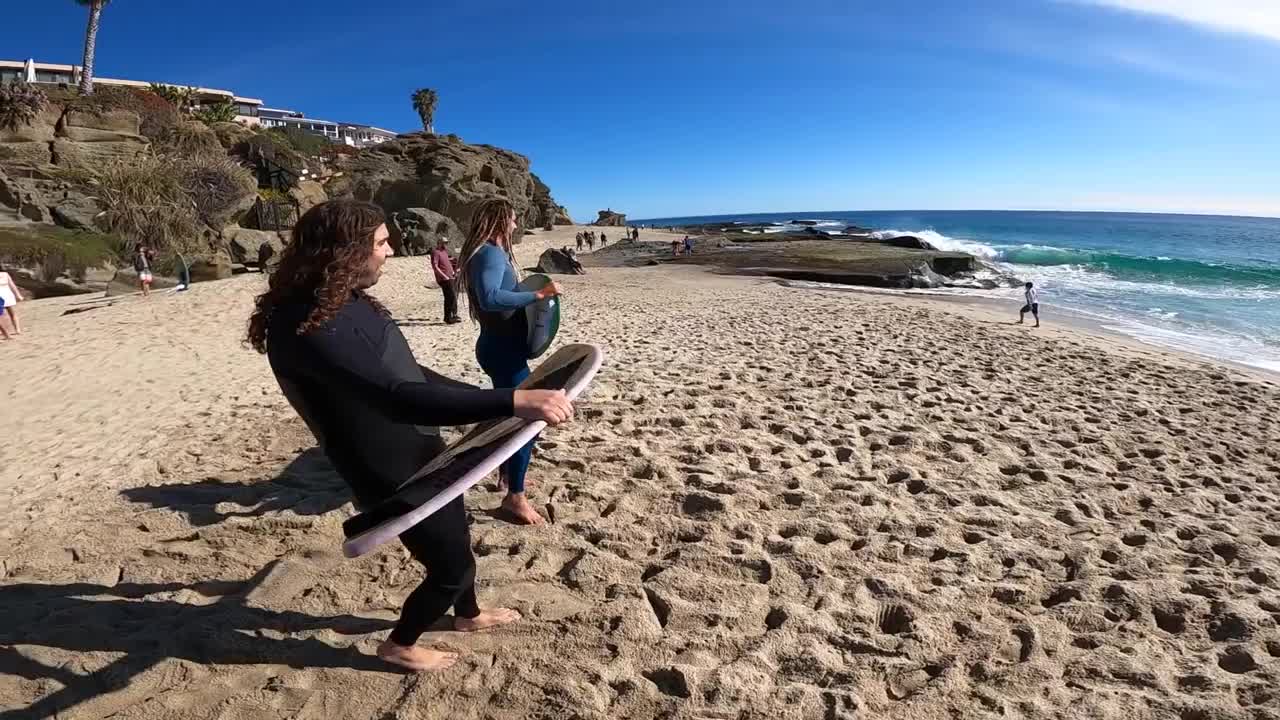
(489, 222)
(323, 262)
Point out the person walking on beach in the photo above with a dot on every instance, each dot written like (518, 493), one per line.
(688, 245)
(10, 296)
(442, 266)
(487, 274)
(675, 247)
(579, 239)
(143, 256)
(345, 367)
(591, 240)
(1032, 306)
(604, 239)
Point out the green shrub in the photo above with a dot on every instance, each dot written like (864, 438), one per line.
(181, 98)
(55, 248)
(216, 112)
(218, 187)
(20, 103)
(272, 195)
(188, 138)
(272, 147)
(303, 142)
(168, 201)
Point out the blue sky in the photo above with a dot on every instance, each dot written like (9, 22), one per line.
(683, 108)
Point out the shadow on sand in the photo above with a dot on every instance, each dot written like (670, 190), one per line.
(307, 486)
(84, 617)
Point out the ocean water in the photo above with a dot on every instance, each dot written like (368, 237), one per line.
(1209, 285)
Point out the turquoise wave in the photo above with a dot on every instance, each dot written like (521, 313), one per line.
(1149, 269)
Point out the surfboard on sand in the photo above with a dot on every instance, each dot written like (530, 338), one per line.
(467, 461)
(542, 318)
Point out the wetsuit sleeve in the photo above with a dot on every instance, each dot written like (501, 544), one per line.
(486, 279)
(343, 355)
(436, 378)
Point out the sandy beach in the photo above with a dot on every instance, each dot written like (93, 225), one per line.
(773, 503)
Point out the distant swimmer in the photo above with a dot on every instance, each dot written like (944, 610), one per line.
(1032, 306)
(346, 368)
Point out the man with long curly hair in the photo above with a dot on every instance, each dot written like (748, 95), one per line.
(346, 368)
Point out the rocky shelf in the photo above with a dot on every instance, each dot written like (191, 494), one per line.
(848, 259)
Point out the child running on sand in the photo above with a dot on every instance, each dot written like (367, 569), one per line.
(1032, 306)
(10, 294)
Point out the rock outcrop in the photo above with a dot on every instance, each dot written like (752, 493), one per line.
(253, 248)
(559, 261)
(40, 281)
(34, 194)
(307, 195)
(610, 218)
(446, 175)
(910, 242)
(549, 212)
(414, 231)
(214, 267)
(68, 137)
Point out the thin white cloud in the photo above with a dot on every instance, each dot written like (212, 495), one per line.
(1252, 17)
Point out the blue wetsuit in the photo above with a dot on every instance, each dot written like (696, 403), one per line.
(503, 346)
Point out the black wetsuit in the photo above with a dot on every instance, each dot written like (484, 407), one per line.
(374, 411)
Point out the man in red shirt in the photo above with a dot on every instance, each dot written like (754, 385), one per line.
(442, 266)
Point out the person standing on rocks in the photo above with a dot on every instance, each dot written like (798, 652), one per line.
(487, 274)
(10, 296)
(346, 368)
(442, 266)
(1032, 306)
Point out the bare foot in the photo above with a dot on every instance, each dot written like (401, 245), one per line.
(416, 658)
(518, 506)
(486, 619)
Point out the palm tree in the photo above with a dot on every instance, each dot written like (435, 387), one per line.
(424, 102)
(90, 40)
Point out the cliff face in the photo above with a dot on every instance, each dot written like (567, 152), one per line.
(63, 137)
(446, 175)
(609, 218)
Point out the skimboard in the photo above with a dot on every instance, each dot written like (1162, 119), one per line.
(542, 318)
(467, 461)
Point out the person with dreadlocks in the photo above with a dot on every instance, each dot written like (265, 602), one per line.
(487, 274)
(345, 367)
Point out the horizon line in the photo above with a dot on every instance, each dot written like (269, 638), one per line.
(800, 214)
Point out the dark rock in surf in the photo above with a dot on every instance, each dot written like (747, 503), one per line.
(910, 242)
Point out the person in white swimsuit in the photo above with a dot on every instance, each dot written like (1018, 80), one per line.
(9, 297)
